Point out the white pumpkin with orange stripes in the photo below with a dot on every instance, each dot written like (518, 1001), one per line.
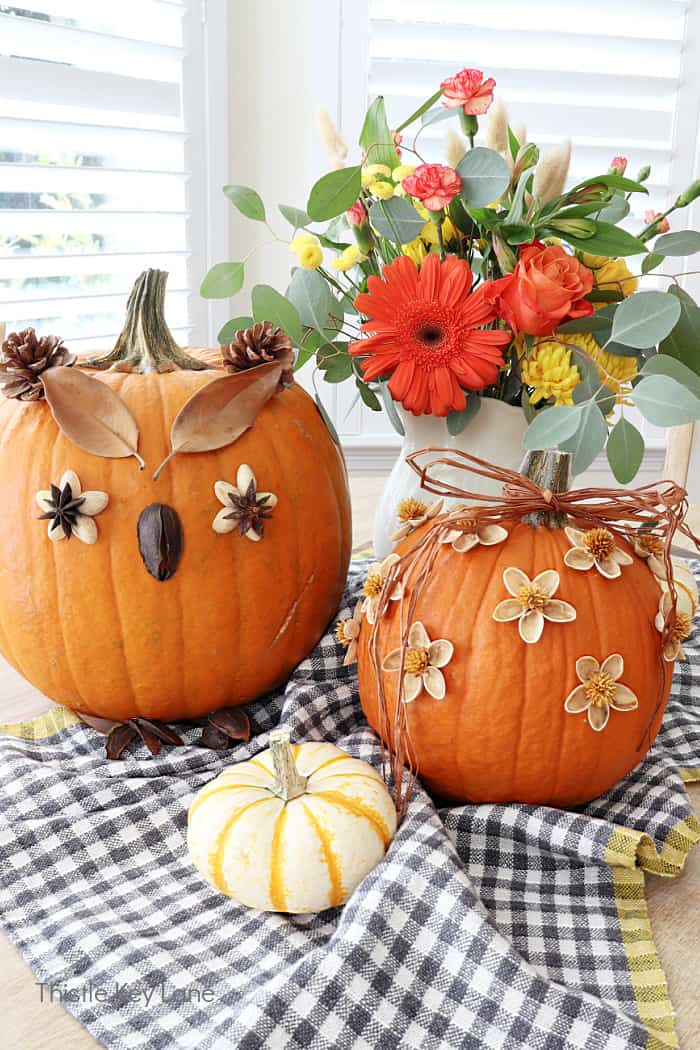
(295, 829)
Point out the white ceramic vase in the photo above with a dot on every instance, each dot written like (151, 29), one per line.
(495, 433)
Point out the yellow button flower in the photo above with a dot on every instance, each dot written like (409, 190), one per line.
(349, 258)
(310, 256)
(301, 240)
(549, 369)
(383, 190)
(402, 171)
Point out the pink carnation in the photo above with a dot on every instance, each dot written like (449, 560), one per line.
(357, 215)
(469, 90)
(435, 185)
(652, 216)
(618, 165)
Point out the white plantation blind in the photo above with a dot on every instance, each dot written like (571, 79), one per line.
(93, 179)
(604, 73)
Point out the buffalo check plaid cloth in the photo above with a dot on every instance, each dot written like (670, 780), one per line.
(485, 926)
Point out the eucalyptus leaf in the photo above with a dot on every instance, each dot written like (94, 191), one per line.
(223, 281)
(396, 219)
(683, 343)
(269, 305)
(485, 177)
(457, 421)
(645, 319)
(614, 212)
(685, 242)
(368, 396)
(551, 426)
(390, 408)
(599, 322)
(248, 201)
(665, 365)
(311, 296)
(294, 216)
(334, 193)
(651, 261)
(436, 115)
(588, 439)
(335, 365)
(376, 138)
(625, 450)
(664, 402)
(228, 331)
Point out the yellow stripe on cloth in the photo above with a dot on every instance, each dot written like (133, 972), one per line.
(44, 726)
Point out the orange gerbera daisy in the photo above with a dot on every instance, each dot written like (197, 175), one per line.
(428, 335)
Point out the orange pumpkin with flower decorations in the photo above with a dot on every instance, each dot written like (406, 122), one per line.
(522, 661)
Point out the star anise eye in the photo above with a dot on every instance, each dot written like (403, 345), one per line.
(250, 511)
(63, 509)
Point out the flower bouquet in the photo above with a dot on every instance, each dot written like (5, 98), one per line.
(438, 286)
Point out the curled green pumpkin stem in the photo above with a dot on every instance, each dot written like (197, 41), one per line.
(146, 344)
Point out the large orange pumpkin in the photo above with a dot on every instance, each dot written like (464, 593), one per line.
(90, 627)
(502, 731)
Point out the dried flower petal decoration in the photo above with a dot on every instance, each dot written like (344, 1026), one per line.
(673, 649)
(595, 548)
(600, 690)
(532, 603)
(347, 632)
(412, 513)
(70, 511)
(245, 508)
(375, 582)
(649, 546)
(23, 358)
(422, 661)
(471, 534)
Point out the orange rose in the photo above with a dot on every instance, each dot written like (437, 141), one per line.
(546, 288)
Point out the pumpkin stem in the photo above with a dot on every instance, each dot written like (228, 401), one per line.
(146, 343)
(289, 782)
(550, 469)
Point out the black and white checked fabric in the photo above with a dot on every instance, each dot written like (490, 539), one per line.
(485, 926)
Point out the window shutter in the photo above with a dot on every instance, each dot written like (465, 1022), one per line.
(92, 163)
(603, 73)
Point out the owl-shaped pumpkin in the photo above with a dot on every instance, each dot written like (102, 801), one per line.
(122, 595)
(531, 662)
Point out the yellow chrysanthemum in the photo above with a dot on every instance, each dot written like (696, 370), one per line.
(350, 257)
(402, 171)
(301, 240)
(310, 256)
(372, 172)
(612, 275)
(550, 370)
(429, 232)
(415, 250)
(615, 371)
(382, 190)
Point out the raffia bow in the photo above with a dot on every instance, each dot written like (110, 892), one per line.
(657, 509)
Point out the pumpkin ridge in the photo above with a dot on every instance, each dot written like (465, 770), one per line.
(206, 795)
(277, 892)
(328, 762)
(117, 608)
(353, 776)
(357, 809)
(216, 858)
(332, 863)
(569, 647)
(288, 621)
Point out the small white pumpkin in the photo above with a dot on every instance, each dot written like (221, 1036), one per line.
(294, 829)
(686, 587)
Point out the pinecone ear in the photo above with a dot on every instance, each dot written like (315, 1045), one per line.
(25, 358)
(261, 344)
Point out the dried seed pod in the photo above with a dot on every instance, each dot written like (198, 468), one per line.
(119, 738)
(160, 730)
(232, 721)
(213, 738)
(160, 540)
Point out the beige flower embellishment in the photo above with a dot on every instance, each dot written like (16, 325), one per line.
(649, 546)
(374, 583)
(347, 632)
(595, 547)
(70, 511)
(600, 690)
(472, 534)
(245, 508)
(412, 513)
(673, 647)
(532, 603)
(422, 664)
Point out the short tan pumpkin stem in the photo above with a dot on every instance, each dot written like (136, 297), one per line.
(551, 470)
(289, 783)
(146, 343)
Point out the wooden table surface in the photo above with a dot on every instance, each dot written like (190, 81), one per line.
(674, 904)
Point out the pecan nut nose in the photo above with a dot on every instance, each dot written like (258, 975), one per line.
(160, 540)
